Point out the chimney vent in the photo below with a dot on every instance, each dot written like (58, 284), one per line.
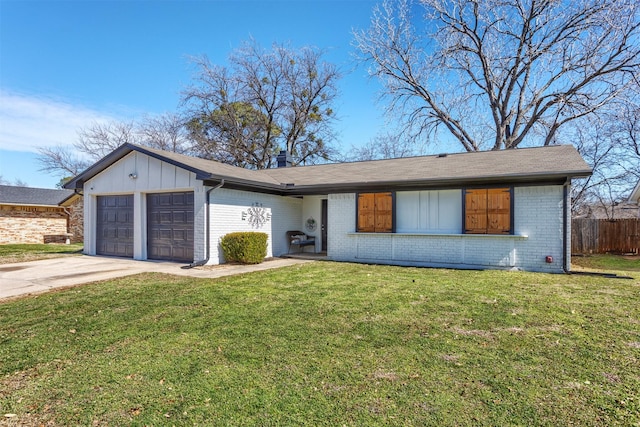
(284, 159)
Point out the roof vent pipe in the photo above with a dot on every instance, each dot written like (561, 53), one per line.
(284, 159)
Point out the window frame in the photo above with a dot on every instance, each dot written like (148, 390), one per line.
(393, 211)
(510, 189)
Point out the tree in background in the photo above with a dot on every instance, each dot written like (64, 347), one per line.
(609, 143)
(235, 133)
(385, 146)
(263, 102)
(166, 132)
(501, 73)
(17, 183)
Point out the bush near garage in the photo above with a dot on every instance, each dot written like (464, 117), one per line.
(244, 247)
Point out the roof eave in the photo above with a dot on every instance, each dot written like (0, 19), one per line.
(301, 190)
(537, 179)
(29, 205)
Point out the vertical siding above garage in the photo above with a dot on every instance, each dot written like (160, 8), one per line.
(151, 175)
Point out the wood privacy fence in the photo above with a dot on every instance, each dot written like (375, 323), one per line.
(601, 236)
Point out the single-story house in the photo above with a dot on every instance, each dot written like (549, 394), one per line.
(40, 215)
(505, 209)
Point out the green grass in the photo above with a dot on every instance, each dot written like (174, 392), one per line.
(604, 262)
(32, 252)
(326, 344)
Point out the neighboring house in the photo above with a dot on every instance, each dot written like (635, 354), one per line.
(622, 210)
(498, 209)
(635, 194)
(626, 209)
(39, 215)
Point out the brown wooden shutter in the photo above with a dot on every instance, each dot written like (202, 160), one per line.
(498, 211)
(366, 212)
(475, 214)
(384, 213)
(375, 212)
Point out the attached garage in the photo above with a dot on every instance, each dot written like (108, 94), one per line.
(114, 225)
(170, 226)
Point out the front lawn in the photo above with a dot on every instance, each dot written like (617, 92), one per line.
(31, 252)
(326, 344)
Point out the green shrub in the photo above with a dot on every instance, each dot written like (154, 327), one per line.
(245, 247)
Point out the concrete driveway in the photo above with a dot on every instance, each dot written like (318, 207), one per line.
(40, 276)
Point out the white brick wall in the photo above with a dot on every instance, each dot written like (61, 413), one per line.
(341, 212)
(233, 210)
(537, 215)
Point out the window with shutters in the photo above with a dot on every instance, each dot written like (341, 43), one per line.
(488, 211)
(375, 212)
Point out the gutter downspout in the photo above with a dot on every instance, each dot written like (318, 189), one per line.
(207, 231)
(566, 242)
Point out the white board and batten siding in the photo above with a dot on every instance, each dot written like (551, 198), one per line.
(139, 174)
(431, 211)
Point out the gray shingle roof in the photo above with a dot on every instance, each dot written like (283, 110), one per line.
(13, 195)
(485, 165)
(541, 164)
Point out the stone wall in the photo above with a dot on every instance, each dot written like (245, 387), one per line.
(29, 224)
(76, 220)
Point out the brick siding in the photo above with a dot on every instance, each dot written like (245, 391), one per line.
(26, 224)
(38, 224)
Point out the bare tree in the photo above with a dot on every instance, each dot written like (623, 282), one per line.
(17, 183)
(98, 140)
(166, 132)
(263, 102)
(385, 146)
(501, 73)
(62, 161)
(608, 145)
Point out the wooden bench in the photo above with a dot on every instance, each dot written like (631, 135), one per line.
(300, 239)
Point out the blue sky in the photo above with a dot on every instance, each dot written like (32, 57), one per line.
(67, 64)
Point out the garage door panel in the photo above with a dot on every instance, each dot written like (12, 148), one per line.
(170, 226)
(114, 226)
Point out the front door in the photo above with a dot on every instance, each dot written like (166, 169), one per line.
(323, 225)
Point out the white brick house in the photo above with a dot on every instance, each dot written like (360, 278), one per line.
(502, 209)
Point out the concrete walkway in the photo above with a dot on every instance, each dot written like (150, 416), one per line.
(33, 277)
